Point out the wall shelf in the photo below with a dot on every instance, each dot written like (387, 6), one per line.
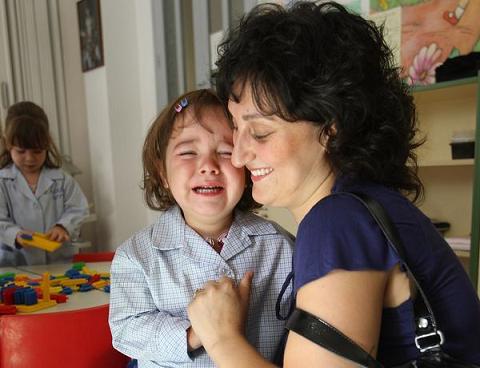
(452, 187)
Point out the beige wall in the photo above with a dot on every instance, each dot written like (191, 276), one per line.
(109, 109)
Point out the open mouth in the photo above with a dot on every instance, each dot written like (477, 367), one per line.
(259, 174)
(208, 189)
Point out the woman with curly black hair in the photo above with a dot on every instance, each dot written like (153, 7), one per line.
(319, 110)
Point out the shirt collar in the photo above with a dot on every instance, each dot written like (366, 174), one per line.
(171, 232)
(12, 171)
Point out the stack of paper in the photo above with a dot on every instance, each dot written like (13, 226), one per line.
(459, 243)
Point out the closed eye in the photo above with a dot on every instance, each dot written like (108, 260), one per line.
(187, 153)
(225, 153)
(260, 137)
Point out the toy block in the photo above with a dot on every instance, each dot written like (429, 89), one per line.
(7, 295)
(39, 240)
(99, 284)
(55, 289)
(19, 296)
(85, 287)
(36, 307)
(21, 277)
(8, 309)
(73, 282)
(59, 298)
(30, 297)
(78, 265)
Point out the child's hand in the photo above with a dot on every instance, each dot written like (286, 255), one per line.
(19, 239)
(58, 233)
(192, 340)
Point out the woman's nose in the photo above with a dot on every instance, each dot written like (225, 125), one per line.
(242, 152)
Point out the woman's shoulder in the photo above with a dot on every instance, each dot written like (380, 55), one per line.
(335, 212)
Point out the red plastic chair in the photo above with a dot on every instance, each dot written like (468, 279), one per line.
(73, 339)
(93, 257)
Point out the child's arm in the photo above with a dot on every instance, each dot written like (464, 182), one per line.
(138, 328)
(75, 208)
(8, 229)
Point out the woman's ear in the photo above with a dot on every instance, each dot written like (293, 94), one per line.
(327, 132)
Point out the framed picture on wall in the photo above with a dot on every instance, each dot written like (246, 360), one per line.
(90, 27)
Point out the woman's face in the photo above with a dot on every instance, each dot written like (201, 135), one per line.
(286, 160)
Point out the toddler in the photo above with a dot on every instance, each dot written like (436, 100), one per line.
(206, 231)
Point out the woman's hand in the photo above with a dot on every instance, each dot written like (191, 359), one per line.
(58, 233)
(218, 312)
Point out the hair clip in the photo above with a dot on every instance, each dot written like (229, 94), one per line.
(180, 106)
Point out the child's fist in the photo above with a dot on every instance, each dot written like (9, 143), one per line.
(58, 233)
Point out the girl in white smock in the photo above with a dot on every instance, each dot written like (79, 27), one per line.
(35, 195)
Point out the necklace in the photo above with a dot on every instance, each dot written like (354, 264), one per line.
(217, 243)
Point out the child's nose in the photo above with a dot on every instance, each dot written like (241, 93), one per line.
(210, 166)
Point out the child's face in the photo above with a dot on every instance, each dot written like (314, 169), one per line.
(199, 172)
(29, 161)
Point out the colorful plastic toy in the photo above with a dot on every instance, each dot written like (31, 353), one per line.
(21, 294)
(39, 240)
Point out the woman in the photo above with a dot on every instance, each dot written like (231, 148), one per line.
(318, 108)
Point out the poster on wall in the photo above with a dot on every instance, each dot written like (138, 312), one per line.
(432, 31)
(90, 28)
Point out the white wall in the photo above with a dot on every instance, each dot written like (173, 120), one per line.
(75, 95)
(120, 104)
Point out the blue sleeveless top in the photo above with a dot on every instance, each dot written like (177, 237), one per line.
(339, 233)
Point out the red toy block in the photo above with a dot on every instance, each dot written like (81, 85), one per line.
(8, 309)
(59, 298)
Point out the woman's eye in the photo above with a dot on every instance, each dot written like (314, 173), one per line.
(225, 153)
(260, 136)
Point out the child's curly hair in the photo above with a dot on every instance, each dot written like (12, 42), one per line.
(156, 195)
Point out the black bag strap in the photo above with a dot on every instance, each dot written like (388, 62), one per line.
(320, 332)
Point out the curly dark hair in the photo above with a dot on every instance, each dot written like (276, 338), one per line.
(156, 195)
(333, 68)
(28, 132)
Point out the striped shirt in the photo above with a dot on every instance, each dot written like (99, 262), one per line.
(155, 273)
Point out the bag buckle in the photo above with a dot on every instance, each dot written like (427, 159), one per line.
(428, 336)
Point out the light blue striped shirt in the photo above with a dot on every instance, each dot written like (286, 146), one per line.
(155, 273)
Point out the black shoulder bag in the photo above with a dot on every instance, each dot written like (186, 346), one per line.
(429, 338)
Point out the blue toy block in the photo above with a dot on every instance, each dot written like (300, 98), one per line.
(19, 296)
(85, 287)
(30, 297)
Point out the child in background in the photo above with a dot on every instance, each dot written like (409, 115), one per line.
(206, 231)
(35, 194)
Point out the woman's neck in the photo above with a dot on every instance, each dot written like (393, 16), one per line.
(323, 189)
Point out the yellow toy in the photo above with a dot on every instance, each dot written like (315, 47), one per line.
(45, 302)
(41, 241)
